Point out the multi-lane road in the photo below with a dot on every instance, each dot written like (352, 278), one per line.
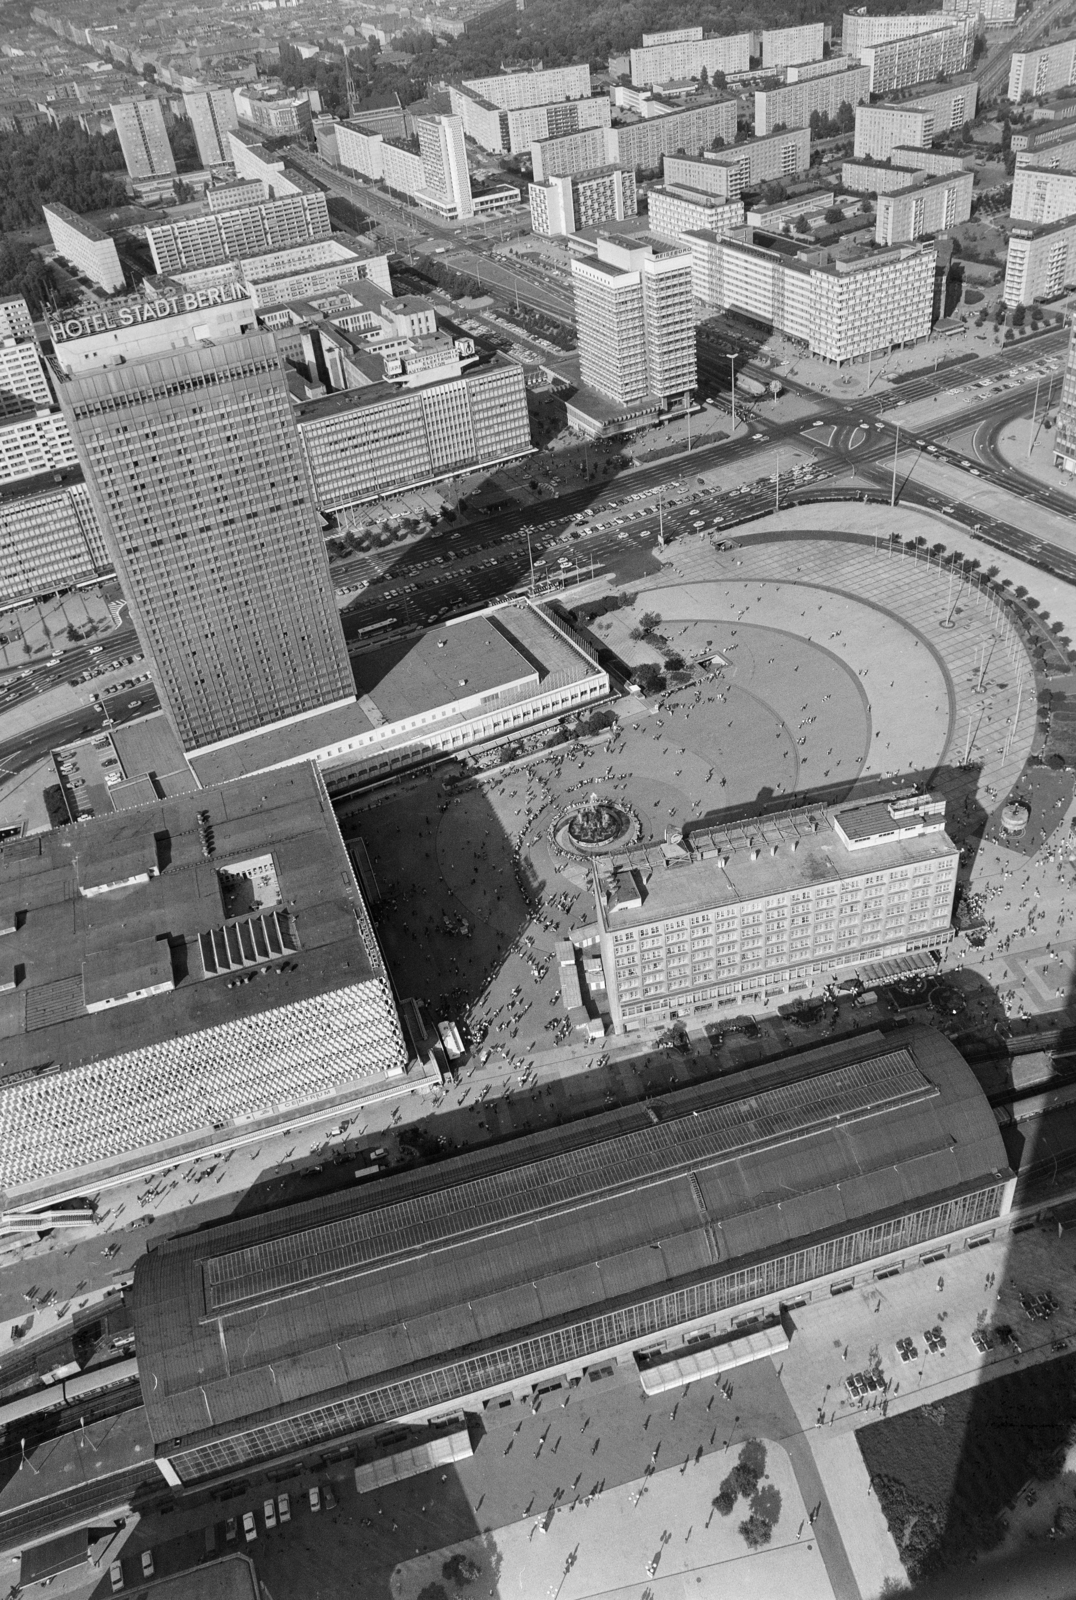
(447, 573)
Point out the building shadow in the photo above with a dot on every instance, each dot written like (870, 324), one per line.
(978, 1482)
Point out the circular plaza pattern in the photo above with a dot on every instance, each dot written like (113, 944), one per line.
(823, 666)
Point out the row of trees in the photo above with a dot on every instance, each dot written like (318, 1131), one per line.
(62, 164)
(22, 271)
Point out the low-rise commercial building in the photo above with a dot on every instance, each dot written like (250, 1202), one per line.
(88, 248)
(563, 205)
(920, 57)
(1042, 71)
(673, 211)
(131, 932)
(273, 113)
(841, 307)
(743, 166)
(249, 227)
(794, 104)
(684, 53)
(935, 162)
(923, 208)
(49, 536)
(1040, 262)
(772, 906)
(1042, 194)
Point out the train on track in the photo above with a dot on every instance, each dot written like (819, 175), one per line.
(66, 1389)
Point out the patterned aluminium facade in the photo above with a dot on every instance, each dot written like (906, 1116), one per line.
(161, 906)
(198, 480)
(49, 539)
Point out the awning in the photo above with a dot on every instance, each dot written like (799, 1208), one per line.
(893, 968)
(706, 1362)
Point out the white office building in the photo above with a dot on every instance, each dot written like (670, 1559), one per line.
(920, 58)
(859, 31)
(88, 248)
(143, 138)
(684, 53)
(1040, 263)
(730, 171)
(785, 47)
(914, 122)
(245, 229)
(793, 104)
(1042, 194)
(924, 207)
(212, 113)
(563, 205)
(33, 443)
(839, 307)
(635, 325)
(674, 211)
(1039, 72)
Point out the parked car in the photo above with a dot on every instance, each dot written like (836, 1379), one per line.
(269, 1513)
(283, 1506)
(250, 1527)
(314, 1494)
(147, 1563)
(115, 1577)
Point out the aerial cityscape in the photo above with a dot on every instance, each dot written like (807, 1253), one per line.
(537, 800)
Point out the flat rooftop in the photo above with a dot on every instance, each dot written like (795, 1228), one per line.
(771, 855)
(412, 676)
(266, 1317)
(116, 911)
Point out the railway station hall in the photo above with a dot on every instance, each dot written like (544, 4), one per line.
(672, 1239)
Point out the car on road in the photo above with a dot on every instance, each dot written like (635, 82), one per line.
(147, 1563)
(250, 1527)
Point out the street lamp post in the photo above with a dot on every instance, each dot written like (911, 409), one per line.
(732, 366)
(893, 486)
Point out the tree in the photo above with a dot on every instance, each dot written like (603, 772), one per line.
(704, 77)
(649, 678)
(62, 164)
(22, 271)
(865, 208)
(833, 214)
(846, 117)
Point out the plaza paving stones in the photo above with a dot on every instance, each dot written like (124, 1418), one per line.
(606, 1545)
